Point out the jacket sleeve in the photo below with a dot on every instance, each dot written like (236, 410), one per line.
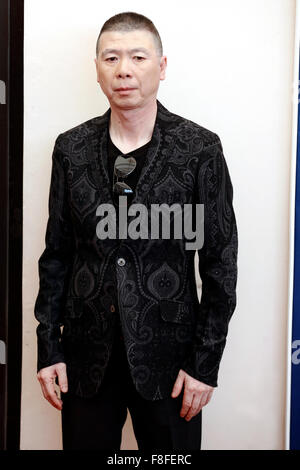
(53, 266)
(217, 266)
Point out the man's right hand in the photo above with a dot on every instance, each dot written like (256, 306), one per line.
(46, 376)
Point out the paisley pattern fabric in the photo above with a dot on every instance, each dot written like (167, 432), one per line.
(84, 291)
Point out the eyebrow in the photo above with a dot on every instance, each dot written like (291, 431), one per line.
(117, 51)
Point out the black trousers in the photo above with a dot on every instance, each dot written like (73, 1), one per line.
(96, 423)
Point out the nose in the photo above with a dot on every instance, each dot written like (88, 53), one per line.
(123, 68)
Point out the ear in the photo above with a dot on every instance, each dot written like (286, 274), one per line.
(96, 63)
(163, 66)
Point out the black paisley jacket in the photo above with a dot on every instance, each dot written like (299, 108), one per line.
(86, 282)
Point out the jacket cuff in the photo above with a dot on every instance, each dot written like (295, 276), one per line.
(203, 364)
(50, 354)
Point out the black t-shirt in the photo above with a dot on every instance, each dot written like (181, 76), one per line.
(139, 154)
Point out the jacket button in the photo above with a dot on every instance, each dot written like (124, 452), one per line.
(121, 261)
(112, 308)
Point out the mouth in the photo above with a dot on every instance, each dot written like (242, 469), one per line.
(124, 89)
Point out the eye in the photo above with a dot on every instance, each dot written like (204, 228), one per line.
(109, 59)
(139, 57)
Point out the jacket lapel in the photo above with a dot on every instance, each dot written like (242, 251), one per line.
(161, 145)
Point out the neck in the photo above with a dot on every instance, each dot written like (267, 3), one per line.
(132, 128)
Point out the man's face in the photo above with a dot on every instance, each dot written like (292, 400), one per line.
(129, 60)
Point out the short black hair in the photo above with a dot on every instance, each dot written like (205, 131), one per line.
(130, 21)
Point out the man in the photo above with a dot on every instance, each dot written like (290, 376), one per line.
(134, 334)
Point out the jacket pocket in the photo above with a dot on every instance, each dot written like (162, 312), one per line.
(176, 311)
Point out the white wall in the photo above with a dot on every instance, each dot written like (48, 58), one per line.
(229, 69)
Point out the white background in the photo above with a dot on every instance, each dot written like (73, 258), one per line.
(230, 69)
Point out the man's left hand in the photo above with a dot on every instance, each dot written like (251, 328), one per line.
(196, 394)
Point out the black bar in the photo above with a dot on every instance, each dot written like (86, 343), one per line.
(4, 126)
(11, 193)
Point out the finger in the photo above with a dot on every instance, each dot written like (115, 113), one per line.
(198, 410)
(62, 378)
(204, 399)
(178, 385)
(193, 411)
(186, 402)
(42, 387)
(50, 393)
